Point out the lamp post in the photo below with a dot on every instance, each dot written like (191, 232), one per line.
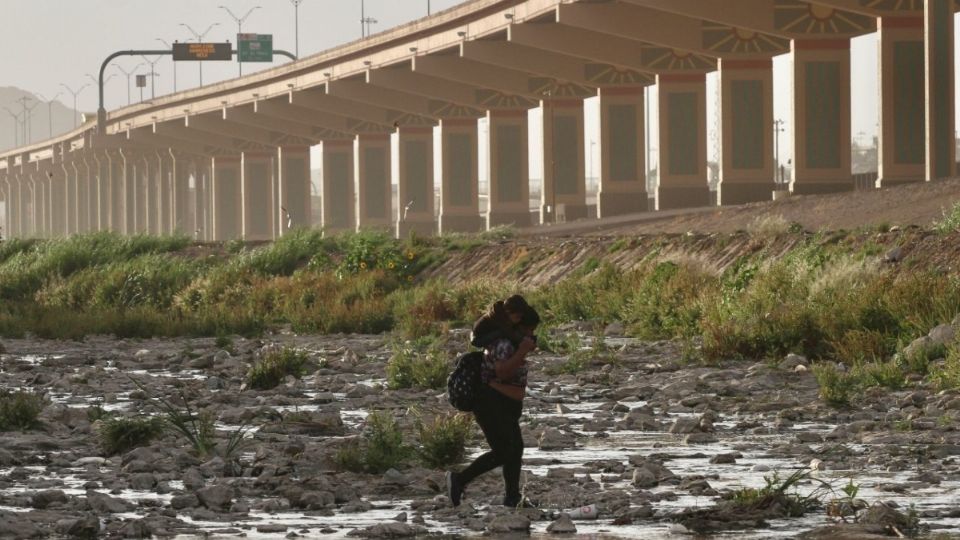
(365, 21)
(96, 82)
(128, 74)
(199, 37)
(239, 21)
(76, 93)
(428, 8)
(50, 113)
(167, 45)
(152, 64)
(296, 24)
(16, 132)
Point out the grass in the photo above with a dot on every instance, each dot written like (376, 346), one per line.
(275, 366)
(20, 410)
(950, 221)
(119, 435)
(422, 363)
(381, 447)
(443, 441)
(775, 493)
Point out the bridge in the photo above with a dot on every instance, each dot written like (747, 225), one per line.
(232, 160)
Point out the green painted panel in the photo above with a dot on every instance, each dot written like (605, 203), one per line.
(908, 102)
(682, 143)
(296, 187)
(460, 167)
(376, 185)
(565, 155)
(823, 112)
(748, 125)
(416, 174)
(622, 130)
(340, 190)
(509, 161)
(942, 93)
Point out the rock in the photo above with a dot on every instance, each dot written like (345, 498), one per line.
(643, 478)
(142, 353)
(723, 459)
(221, 356)
(272, 528)
(842, 532)
(316, 500)
(105, 504)
(401, 517)
(189, 500)
(193, 479)
(92, 460)
(389, 529)
(613, 329)
(216, 497)
(509, 523)
(7, 459)
(639, 419)
(884, 516)
(791, 362)
(143, 481)
(700, 438)
(809, 437)
(395, 477)
(137, 528)
(894, 255)
(685, 425)
(562, 525)
(944, 334)
(43, 499)
(917, 346)
(87, 526)
(554, 439)
(15, 525)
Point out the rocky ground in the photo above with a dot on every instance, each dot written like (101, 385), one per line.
(653, 442)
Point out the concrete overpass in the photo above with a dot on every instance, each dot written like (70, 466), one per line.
(232, 160)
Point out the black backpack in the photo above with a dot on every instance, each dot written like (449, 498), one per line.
(463, 384)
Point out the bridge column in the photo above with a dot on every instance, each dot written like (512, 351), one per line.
(122, 176)
(902, 152)
(203, 206)
(106, 189)
(80, 203)
(16, 199)
(41, 204)
(459, 177)
(91, 203)
(564, 173)
(374, 194)
(821, 117)
(180, 210)
(337, 186)
(146, 173)
(509, 169)
(939, 89)
(622, 186)
(23, 201)
(746, 140)
(682, 168)
(257, 194)
(160, 192)
(226, 198)
(294, 196)
(75, 193)
(415, 182)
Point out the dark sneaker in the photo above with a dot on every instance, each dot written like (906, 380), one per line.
(454, 488)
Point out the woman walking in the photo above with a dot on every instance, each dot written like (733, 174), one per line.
(503, 376)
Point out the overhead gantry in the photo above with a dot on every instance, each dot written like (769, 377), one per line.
(232, 160)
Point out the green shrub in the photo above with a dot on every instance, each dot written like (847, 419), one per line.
(424, 310)
(380, 448)
(422, 363)
(119, 435)
(20, 410)
(948, 376)
(666, 301)
(837, 388)
(443, 441)
(950, 221)
(270, 370)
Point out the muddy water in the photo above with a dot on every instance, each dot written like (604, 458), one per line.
(80, 375)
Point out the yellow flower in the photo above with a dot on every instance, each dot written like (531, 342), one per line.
(363, 265)
(410, 278)
(410, 255)
(391, 265)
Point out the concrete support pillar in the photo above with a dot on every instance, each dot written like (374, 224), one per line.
(746, 138)
(160, 194)
(622, 187)
(372, 184)
(564, 171)
(294, 198)
(682, 167)
(258, 205)
(105, 187)
(337, 180)
(143, 191)
(203, 178)
(902, 152)
(226, 198)
(821, 117)
(415, 182)
(91, 203)
(509, 168)
(121, 167)
(41, 204)
(181, 211)
(459, 177)
(78, 202)
(939, 89)
(24, 205)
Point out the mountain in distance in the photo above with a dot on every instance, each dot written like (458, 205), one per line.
(42, 118)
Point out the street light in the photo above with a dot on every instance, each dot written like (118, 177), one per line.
(16, 132)
(153, 64)
(296, 24)
(75, 93)
(50, 113)
(239, 21)
(365, 21)
(167, 45)
(199, 37)
(428, 8)
(128, 74)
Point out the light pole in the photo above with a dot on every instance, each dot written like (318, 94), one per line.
(16, 132)
(365, 21)
(128, 74)
(239, 21)
(296, 24)
(26, 116)
(153, 93)
(50, 113)
(777, 172)
(428, 8)
(76, 93)
(167, 45)
(199, 37)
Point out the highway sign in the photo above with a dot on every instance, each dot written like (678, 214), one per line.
(255, 47)
(202, 51)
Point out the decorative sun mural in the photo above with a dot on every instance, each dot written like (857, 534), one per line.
(362, 126)
(799, 17)
(662, 58)
(546, 85)
(893, 5)
(727, 39)
(498, 100)
(607, 75)
(443, 109)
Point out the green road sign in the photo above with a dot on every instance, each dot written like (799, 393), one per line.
(255, 47)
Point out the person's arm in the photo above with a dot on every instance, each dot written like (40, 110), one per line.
(507, 368)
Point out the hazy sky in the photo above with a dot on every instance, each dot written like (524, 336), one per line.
(49, 42)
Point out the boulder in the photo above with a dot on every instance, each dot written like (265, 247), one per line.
(16, 525)
(101, 503)
(554, 439)
(87, 526)
(43, 499)
(885, 516)
(389, 529)
(562, 525)
(216, 497)
(643, 478)
(791, 362)
(143, 481)
(700, 438)
(943, 334)
(509, 523)
(136, 528)
(683, 425)
(188, 500)
(193, 479)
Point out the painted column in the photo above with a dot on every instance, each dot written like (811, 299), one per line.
(201, 211)
(902, 149)
(939, 84)
(160, 192)
(622, 186)
(337, 181)
(294, 197)
(415, 182)
(226, 198)
(181, 215)
(564, 172)
(509, 169)
(257, 207)
(821, 117)
(682, 167)
(459, 177)
(372, 184)
(746, 135)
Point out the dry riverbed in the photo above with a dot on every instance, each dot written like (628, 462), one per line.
(646, 438)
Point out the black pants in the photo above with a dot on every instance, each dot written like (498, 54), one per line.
(499, 418)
